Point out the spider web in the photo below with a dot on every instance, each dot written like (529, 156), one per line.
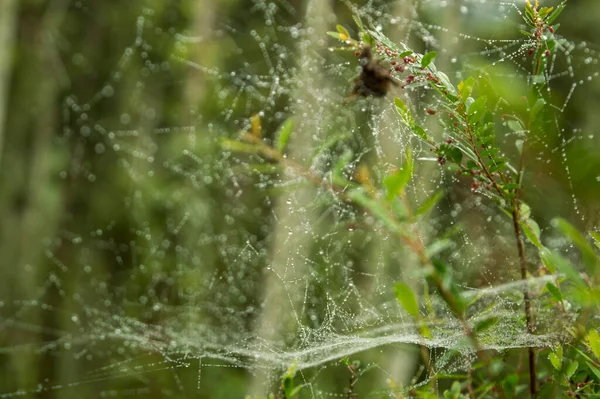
(214, 264)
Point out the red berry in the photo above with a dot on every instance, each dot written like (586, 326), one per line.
(548, 53)
(550, 29)
(357, 53)
(430, 111)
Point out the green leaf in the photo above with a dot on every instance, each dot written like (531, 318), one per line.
(338, 36)
(526, 33)
(515, 125)
(556, 13)
(529, 17)
(427, 58)
(438, 246)
(419, 131)
(590, 259)
(396, 182)
(295, 391)
(554, 261)
(556, 358)
(537, 107)
(593, 340)
(430, 202)
(594, 370)
(466, 88)
(283, 134)
(532, 232)
(510, 186)
(400, 106)
(454, 154)
(524, 210)
(554, 291)
(544, 11)
(519, 145)
(340, 165)
(288, 385)
(477, 105)
(407, 299)
(367, 39)
(485, 324)
(596, 237)
(571, 369)
(358, 22)
(403, 111)
(491, 152)
(239, 146)
(343, 31)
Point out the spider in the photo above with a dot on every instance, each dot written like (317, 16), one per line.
(374, 79)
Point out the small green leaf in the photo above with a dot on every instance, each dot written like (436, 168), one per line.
(510, 186)
(396, 182)
(427, 58)
(239, 146)
(288, 385)
(338, 36)
(515, 125)
(544, 11)
(537, 107)
(407, 299)
(343, 31)
(556, 13)
(594, 370)
(419, 131)
(571, 369)
(532, 232)
(519, 145)
(400, 106)
(358, 22)
(554, 261)
(555, 360)
(554, 291)
(590, 259)
(524, 32)
(430, 202)
(477, 105)
(367, 39)
(485, 324)
(283, 134)
(596, 237)
(593, 340)
(466, 88)
(438, 246)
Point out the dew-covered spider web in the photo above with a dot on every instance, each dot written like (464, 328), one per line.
(185, 264)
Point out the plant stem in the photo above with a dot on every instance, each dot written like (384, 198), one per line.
(527, 299)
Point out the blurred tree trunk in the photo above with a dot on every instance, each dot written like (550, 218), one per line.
(296, 225)
(8, 20)
(30, 190)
